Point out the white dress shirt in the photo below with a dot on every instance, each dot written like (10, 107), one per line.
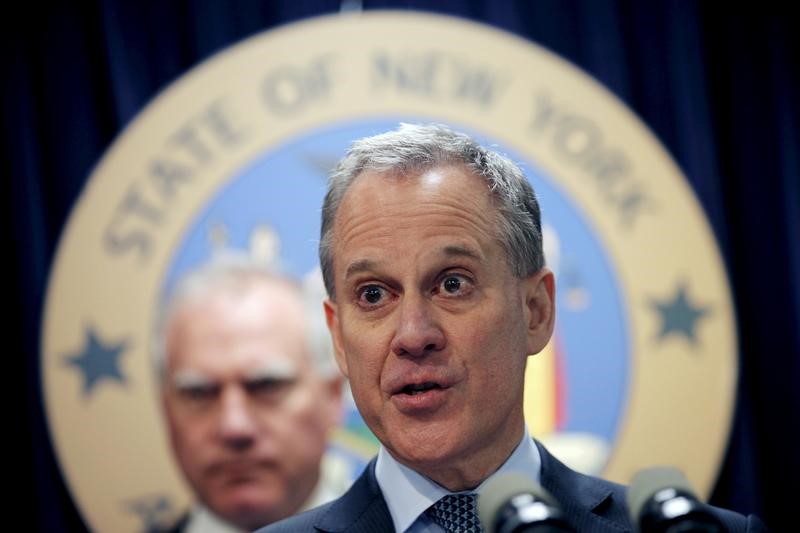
(408, 494)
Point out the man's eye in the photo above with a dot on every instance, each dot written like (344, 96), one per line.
(455, 285)
(451, 284)
(199, 393)
(372, 294)
(267, 387)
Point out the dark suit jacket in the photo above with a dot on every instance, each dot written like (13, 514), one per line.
(593, 505)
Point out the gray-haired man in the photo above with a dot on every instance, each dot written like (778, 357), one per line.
(250, 394)
(431, 251)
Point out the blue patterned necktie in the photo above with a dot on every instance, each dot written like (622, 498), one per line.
(456, 513)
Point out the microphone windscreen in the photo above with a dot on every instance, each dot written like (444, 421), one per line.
(648, 482)
(499, 490)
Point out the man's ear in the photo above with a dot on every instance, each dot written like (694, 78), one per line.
(332, 319)
(540, 308)
(334, 386)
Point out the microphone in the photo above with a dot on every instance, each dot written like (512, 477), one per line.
(513, 503)
(660, 500)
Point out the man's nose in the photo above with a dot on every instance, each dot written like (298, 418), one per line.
(237, 426)
(418, 332)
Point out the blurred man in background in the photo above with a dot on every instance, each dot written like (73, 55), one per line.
(250, 395)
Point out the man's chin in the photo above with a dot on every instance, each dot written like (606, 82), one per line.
(424, 447)
(249, 509)
(249, 518)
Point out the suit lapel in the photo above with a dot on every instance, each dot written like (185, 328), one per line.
(361, 509)
(593, 505)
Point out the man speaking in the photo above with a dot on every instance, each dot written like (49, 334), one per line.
(431, 252)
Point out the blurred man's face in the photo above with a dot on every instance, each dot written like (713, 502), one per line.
(430, 325)
(248, 414)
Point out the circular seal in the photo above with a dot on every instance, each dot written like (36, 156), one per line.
(641, 369)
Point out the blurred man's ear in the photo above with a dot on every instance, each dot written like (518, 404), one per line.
(334, 388)
(332, 319)
(539, 293)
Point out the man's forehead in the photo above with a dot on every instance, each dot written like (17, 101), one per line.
(380, 211)
(364, 264)
(445, 184)
(256, 287)
(266, 301)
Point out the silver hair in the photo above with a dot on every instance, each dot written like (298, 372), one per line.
(230, 269)
(418, 147)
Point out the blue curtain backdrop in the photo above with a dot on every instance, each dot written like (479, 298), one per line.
(717, 83)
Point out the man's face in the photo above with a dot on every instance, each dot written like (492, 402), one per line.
(429, 323)
(248, 414)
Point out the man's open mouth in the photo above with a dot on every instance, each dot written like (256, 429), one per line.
(418, 388)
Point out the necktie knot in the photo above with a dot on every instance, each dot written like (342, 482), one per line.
(456, 513)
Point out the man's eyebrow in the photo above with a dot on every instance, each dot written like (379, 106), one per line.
(190, 379)
(451, 250)
(358, 266)
(457, 250)
(279, 370)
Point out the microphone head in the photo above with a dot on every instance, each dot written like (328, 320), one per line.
(661, 498)
(646, 483)
(515, 503)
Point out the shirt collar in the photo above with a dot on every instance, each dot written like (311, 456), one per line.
(408, 493)
(202, 520)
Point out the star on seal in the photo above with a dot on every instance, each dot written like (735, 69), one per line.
(679, 316)
(98, 361)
